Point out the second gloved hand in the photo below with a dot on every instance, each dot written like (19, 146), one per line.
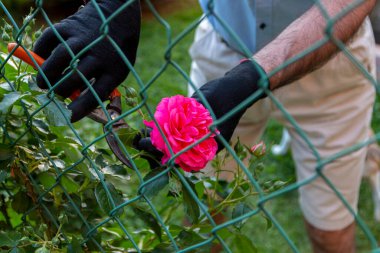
(226, 93)
(143, 142)
(101, 61)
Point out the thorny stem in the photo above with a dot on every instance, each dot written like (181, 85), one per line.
(228, 201)
(233, 201)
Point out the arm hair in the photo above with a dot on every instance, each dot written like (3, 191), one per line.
(303, 33)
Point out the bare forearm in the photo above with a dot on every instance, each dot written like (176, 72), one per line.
(303, 33)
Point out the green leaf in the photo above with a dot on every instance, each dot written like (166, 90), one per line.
(42, 129)
(15, 122)
(103, 199)
(9, 100)
(175, 187)
(148, 219)
(240, 243)
(127, 135)
(163, 248)
(239, 210)
(191, 206)
(74, 246)
(9, 238)
(21, 202)
(5, 88)
(121, 183)
(69, 184)
(154, 187)
(46, 179)
(238, 147)
(101, 161)
(10, 67)
(17, 250)
(72, 153)
(200, 188)
(26, 155)
(187, 238)
(32, 83)
(56, 111)
(115, 169)
(111, 235)
(269, 222)
(6, 152)
(59, 163)
(279, 185)
(42, 250)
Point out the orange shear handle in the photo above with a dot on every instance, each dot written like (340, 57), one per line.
(28, 56)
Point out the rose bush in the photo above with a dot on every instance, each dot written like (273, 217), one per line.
(183, 121)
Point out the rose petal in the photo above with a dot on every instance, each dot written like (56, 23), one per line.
(183, 121)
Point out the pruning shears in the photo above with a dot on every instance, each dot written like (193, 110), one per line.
(98, 115)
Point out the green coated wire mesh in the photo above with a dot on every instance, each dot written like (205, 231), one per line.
(62, 189)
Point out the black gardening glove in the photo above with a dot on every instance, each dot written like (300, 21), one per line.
(101, 62)
(226, 93)
(143, 142)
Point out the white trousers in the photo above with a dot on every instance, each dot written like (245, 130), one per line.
(333, 107)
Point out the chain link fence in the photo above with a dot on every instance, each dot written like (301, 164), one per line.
(63, 190)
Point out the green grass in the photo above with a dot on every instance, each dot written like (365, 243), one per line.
(151, 60)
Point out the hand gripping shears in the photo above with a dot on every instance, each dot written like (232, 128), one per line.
(98, 115)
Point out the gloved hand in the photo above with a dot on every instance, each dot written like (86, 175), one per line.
(143, 142)
(226, 93)
(101, 61)
(223, 95)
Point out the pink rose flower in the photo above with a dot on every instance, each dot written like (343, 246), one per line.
(183, 121)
